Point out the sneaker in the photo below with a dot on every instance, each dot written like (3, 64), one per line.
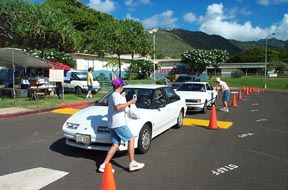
(133, 166)
(102, 168)
(224, 109)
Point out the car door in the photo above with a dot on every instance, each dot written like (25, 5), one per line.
(210, 93)
(161, 112)
(173, 104)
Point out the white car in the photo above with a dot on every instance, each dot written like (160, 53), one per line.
(198, 95)
(159, 106)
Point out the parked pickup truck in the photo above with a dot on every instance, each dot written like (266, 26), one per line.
(76, 81)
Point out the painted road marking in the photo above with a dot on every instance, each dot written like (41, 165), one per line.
(254, 110)
(256, 104)
(68, 111)
(205, 123)
(245, 135)
(33, 179)
(224, 169)
(260, 120)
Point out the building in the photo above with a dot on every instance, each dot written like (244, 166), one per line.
(109, 64)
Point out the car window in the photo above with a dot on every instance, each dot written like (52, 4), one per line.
(104, 100)
(171, 95)
(209, 86)
(192, 87)
(183, 79)
(184, 87)
(159, 97)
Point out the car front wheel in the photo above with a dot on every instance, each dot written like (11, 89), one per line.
(144, 140)
(179, 120)
(204, 107)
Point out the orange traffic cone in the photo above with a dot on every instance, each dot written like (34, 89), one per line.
(247, 92)
(108, 182)
(240, 94)
(213, 119)
(234, 103)
(250, 91)
(244, 88)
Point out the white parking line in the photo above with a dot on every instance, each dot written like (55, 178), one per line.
(254, 110)
(260, 120)
(33, 179)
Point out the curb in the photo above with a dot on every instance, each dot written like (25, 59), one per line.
(75, 105)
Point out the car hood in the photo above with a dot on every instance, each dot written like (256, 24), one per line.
(87, 115)
(97, 116)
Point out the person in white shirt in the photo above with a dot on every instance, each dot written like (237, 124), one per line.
(117, 123)
(226, 93)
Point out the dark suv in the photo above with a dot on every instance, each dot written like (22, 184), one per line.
(184, 78)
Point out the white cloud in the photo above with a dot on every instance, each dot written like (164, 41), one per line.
(281, 29)
(132, 3)
(190, 17)
(163, 20)
(129, 3)
(144, 2)
(269, 2)
(130, 17)
(105, 6)
(216, 22)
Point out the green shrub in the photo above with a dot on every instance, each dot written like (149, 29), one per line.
(237, 73)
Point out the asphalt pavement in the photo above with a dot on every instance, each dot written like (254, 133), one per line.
(250, 154)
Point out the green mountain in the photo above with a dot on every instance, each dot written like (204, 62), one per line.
(173, 42)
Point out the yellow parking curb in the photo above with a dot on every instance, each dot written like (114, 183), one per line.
(205, 123)
(68, 111)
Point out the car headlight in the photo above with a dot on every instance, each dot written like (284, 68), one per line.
(72, 125)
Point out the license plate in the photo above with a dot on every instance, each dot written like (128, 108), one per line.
(80, 138)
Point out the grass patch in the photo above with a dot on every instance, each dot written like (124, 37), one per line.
(44, 103)
(279, 83)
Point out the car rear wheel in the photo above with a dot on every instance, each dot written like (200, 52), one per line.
(179, 120)
(78, 90)
(144, 140)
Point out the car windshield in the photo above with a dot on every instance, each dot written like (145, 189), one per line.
(144, 97)
(191, 87)
(81, 75)
(183, 79)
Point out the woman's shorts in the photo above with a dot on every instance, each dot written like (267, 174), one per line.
(121, 133)
(90, 87)
(226, 94)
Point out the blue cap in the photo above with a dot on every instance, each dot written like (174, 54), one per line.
(118, 82)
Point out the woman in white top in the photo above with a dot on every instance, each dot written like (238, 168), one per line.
(226, 93)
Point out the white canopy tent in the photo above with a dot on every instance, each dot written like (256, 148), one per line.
(11, 57)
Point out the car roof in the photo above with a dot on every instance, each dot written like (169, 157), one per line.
(189, 82)
(149, 86)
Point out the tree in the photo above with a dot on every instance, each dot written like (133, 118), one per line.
(54, 55)
(123, 37)
(143, 67)
(86, 21)
(33, 26)
(218, 56)
(197, 60)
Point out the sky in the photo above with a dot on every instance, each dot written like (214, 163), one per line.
(242, 20)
